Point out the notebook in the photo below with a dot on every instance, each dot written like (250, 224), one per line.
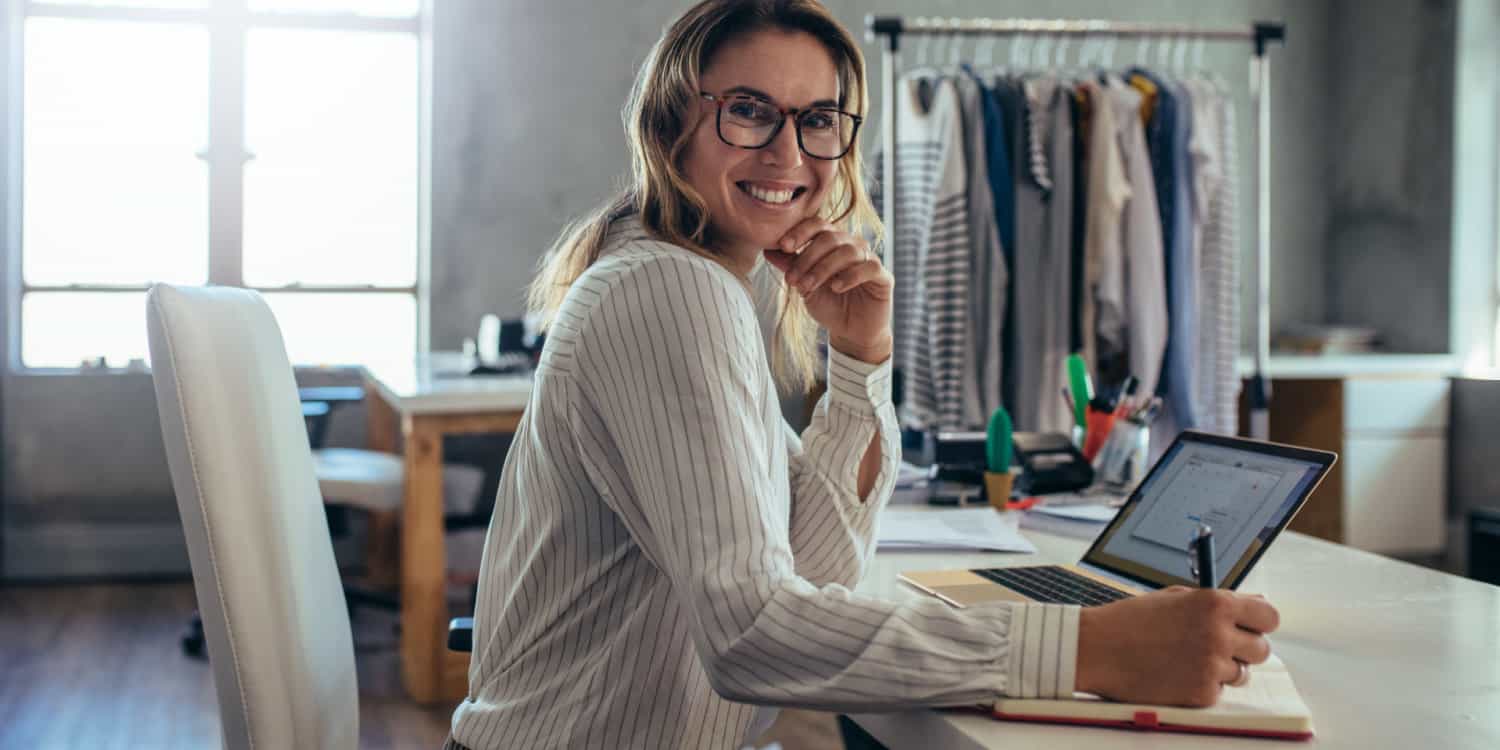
(1269, 706)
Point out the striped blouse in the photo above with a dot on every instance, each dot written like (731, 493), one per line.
(668, 559)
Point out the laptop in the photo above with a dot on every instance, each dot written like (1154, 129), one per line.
(1247, 491)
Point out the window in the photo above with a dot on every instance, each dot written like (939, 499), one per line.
(270, 144)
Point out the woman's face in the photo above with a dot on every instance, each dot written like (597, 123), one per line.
(755, 196)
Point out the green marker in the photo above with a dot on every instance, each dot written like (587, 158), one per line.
(997, 442)
(1082, 388)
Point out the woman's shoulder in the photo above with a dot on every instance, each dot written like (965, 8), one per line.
(638, 272)
(633, 262)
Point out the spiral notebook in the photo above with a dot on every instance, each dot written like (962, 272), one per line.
(1269, 706)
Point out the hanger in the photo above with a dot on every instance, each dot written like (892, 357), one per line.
(984, 50)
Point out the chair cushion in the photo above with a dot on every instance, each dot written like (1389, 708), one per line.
(369, 480)
(373, 481)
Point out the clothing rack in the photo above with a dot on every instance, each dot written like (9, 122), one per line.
(1261, 34)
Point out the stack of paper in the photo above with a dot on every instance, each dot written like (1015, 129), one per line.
(964, 529)
(1076, 521)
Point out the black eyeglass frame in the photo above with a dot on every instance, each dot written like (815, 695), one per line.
(795, 113)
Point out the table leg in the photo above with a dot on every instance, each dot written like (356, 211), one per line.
(382, 548)
(424, 605)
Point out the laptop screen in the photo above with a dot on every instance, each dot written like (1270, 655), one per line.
(1245, 491)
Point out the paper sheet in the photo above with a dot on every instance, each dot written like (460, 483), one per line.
(962, 529)
(1087, 513)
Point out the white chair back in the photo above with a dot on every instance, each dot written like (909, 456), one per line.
(268, 587)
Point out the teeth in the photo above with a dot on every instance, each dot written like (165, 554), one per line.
(770, 196)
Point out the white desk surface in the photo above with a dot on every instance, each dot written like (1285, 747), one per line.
(438, 383)
(1385, 653)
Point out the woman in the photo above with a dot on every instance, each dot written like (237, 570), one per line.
(667, 557)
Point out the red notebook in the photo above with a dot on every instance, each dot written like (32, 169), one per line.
(1269, 706)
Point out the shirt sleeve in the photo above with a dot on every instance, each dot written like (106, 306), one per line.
(832, 528)
(670, 418)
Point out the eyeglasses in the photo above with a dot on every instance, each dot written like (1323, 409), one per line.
(749, 122)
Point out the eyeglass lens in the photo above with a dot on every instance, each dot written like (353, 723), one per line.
(751, 123)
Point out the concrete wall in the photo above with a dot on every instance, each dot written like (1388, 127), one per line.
(1391, 169)
(527, 134)
(530, 135)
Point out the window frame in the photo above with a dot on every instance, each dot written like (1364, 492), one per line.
(228, 23)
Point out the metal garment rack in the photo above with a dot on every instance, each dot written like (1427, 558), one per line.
(1260, 34)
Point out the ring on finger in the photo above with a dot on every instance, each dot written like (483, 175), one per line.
(1241, 679)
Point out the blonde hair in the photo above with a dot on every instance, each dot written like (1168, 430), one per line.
(659, 118)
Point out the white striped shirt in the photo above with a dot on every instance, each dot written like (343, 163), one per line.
(666, 554)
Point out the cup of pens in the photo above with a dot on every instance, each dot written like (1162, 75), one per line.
(1122, 461)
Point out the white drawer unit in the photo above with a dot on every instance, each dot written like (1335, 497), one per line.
(1396, 405)
(1396, 464)
(1395, 491)
(1388, 493)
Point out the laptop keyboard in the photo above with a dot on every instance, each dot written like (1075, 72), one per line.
(1050, 584)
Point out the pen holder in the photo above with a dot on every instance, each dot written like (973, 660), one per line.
(1121, 463)
(997, 487)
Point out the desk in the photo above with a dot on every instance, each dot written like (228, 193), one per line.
(426, 400)
(1386, 654)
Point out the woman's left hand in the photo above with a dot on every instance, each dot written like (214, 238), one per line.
(845, 286)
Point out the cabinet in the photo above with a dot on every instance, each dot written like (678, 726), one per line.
(1388, 492)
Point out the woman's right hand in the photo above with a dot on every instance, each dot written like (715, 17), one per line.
(1177, 647)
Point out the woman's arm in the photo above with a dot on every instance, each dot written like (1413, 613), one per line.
(842, 471)
(671, 421)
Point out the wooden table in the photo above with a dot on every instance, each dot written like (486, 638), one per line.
(413, 405)
(1385, 653)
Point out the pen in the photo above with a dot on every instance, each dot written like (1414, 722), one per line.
(1127, 392)
(1068, 399)
(1202, 561)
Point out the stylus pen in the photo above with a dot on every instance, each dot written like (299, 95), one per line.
(1204, 548)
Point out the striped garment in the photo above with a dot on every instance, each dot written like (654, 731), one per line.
(930, 255)
(1217, 176)
(666, 555)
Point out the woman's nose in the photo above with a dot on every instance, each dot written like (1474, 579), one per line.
(783, 150)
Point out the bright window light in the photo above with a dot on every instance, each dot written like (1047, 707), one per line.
(117, 190)
(114, 115)
(342, 329)
(62, 329)
(331, 195)
(377, 8)
(169, 4)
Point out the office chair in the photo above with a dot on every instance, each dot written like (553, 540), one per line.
(371, 482)
(263, 568)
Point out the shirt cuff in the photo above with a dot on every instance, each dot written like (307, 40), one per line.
(857, 384)
(1044, 651)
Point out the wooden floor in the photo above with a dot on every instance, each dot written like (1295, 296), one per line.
(100, 666)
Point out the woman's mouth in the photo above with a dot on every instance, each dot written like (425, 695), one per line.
(777, 197)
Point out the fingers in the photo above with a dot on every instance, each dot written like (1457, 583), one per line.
(828, 255)
(1250, 648)
(1256, 614)
(803, 233)
(834, 261)
(859, 274)
(780, 260)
